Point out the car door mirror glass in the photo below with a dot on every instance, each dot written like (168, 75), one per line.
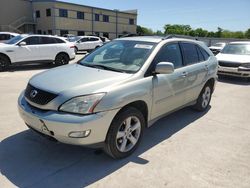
(22, 43)
(164, 68)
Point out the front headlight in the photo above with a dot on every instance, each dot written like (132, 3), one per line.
(82, 104)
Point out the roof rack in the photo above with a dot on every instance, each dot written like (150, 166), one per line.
(179, 36)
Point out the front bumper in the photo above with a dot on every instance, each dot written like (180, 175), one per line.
(58, 124)
(231, 71)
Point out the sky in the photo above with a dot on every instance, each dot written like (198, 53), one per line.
(208, 14)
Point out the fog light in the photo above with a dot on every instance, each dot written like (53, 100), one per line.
(79, 134)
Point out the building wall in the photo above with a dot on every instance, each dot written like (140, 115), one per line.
(118, 21)
(12, 10)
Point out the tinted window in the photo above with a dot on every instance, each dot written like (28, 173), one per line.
(189, 53)
(80, 33)
(63, 13)
(32, 40)
(204, 53)
(105, 18)
(170, 53)
(97, 17)
(84, 40)
(47, 40)
(200, 55)
(80, 15)
(4, 36)
(59, 40)
(48, 12)
(37, 14)
(93, 39)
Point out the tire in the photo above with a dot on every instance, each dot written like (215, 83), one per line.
(4, 63)
(204, 98)
(62, 59)
(125, 133)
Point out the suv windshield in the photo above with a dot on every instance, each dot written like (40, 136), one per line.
(15, 39)
(120, 55)
(240, 49)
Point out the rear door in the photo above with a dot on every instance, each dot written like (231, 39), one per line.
(168, 89)
(196, 69)
(48, 48)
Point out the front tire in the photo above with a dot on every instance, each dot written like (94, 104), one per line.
(62, 59)
(204, 98)
(125, 133)
(4, 63)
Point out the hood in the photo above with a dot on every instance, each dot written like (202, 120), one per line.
(233, 58)
(77, 79)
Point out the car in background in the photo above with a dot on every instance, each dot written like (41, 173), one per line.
(217, 47)
(35, 48)
(234, 60)
(5, 36)
(88, 43)
(104, 39)
(115, 92)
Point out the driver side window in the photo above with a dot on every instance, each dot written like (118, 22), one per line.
(170, 53)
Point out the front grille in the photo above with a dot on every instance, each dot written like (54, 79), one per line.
(39, 96)
(229, 64)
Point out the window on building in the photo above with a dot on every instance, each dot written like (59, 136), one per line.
(39, 31)
(64, 32)
(38, 14)
(80, 15)
(80, 33)
(105, 18)
(131, 21)
(97, 17)
(50, 32)
(44, 33)
(63, 13)
(48, 12)
(106, 35)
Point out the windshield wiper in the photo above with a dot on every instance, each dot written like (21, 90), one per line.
(103, 67)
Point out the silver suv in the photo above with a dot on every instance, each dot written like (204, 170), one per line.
(109, 97)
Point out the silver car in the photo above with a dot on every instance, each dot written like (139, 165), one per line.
(110, 96)
(234, 60)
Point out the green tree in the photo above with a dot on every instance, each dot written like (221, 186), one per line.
(144, 31)
(177, 29)
(247, 34)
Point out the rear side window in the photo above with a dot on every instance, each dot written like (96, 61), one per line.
(170, 53)
(32, 40)
(190, 54)
(4, 37)
(93, 39)
(59, 40)
(204, 53)
(200, 55)
(47, 40)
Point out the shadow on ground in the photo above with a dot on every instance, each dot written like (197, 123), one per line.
(234, 80)
(28, 67)
(28, 160)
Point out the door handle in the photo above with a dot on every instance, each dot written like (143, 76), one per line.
(184, 74)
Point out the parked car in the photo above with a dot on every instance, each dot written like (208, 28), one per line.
(5, 36)
(104, 39)
(234, 60)
(88, 43)
(35, 48)
(114, 93)
(216, 48)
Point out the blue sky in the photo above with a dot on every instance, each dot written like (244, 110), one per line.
(208, 14)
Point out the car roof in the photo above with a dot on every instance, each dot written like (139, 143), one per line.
(240, 42)
(9, 33)
(88, 36)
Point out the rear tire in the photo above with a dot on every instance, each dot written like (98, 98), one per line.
(204, 98)
(4, 63)
(125, 133)
(62, 59)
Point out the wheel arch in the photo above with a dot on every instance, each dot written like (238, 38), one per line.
(62, 53)
(5, 55)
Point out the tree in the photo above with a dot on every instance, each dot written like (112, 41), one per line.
(177, 29)
(144, 31)
(247, 34)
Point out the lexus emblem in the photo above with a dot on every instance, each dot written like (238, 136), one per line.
(33, 93)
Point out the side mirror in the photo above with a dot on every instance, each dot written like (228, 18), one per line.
(164, 68)
(22, 44)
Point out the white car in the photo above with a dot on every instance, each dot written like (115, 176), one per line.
(88, 43)
(234, 60)
(216, 48)
(35, 48)
(5, 36)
